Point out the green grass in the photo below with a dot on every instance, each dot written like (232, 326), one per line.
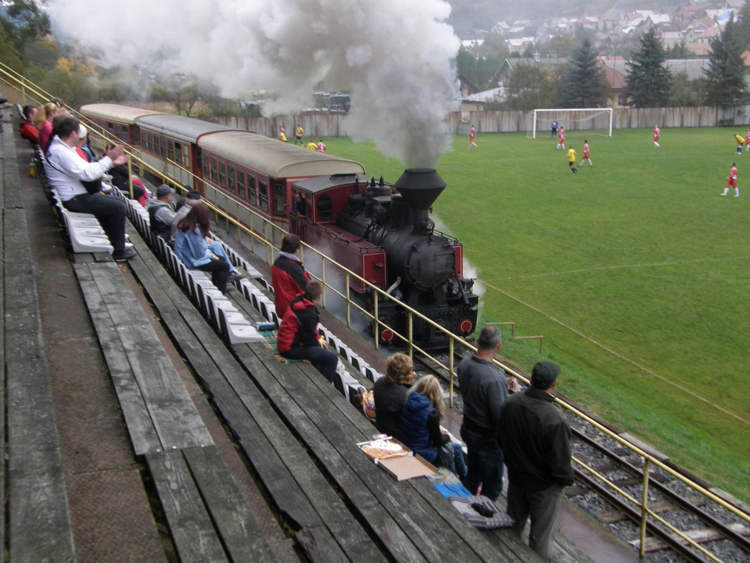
(638, 253)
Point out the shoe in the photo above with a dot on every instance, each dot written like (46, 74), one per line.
(124, 255)
(128, 246)
(234, 276)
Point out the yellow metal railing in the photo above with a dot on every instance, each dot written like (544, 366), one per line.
(349, 276)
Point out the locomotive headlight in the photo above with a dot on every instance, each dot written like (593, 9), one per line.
(465, 327)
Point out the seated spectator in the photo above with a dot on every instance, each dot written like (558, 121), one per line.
(140, 192)
(82, 147)
(204, 222)
(288, 275)
(192, 250)
(163, 218)
(298, 337)
(43, 121)
(390, 392)
(420, 426)
(26, 128)
(65, 170)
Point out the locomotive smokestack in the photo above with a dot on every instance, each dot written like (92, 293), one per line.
(420, 187)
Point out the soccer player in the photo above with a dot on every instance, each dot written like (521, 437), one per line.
(298, 134)
(572, 159)
(655, 136)
(560, 138)
(747, 140)
(732, 182)
(472, 135)
(586, 154)
(553, 129)
(740, 141)
(282, 135)
(312, 145)
(322, 146)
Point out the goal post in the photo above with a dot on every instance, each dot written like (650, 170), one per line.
(578, 117)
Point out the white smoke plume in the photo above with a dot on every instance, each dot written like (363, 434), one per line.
(393, 55)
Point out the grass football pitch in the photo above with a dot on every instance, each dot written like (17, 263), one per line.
(636, 272)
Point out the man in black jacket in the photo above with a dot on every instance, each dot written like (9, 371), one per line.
(536, 443)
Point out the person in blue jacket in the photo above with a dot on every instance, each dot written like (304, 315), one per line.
(192, 249)
(420, 426)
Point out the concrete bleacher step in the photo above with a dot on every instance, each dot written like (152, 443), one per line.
(35, 524)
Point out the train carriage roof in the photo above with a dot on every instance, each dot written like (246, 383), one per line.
(274, 158)
(114, 112)
(178, 127)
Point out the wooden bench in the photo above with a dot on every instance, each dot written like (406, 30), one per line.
(38, 525)
(324, 528)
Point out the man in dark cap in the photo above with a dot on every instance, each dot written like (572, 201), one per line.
(536, 443)
(162, 217)
(484, 389)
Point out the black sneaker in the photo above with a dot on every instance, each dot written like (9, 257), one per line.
(123, 255)
(234, 276)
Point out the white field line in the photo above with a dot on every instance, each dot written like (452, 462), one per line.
(678, 385)
(620, 267)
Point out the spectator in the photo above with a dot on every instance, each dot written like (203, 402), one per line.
(204, 224)
(420, 426)
(298, 337)
(192, 249)
(26, 128)
(163, 219)
(43, 121)
(82, 147)
(65, 171)
(391, 392)
(536, 442)
(288, 275)
(484, 389)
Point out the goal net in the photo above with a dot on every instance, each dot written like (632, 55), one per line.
(598, 120)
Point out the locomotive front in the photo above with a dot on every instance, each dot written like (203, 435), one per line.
(425, 268)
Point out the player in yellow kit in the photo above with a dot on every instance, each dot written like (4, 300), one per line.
(572, 159)
(740, 141)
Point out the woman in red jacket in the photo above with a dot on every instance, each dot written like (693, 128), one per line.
(26, 128)
(288, 275)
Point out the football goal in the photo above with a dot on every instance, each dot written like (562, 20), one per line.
(573, 119)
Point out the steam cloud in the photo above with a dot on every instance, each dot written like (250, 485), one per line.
(393, 55)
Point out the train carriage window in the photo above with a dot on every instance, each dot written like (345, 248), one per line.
(186, 156)
(262, 195)
(252, 190)
(205, 166)
(222, 174)
(241, 185)
(170, 150)
(178, 153)
(279, 197)
(162, 146)
(230, 178)
(213, 170)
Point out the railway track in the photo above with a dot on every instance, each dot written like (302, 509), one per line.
(724, 535)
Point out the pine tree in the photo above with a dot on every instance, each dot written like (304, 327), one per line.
(648, 80)
(725, 76)
(584, 82)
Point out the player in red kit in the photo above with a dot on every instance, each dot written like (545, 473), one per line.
(472, 134)
(560, 138)
(586, 154)
(747, 140)
(732, 182)
(655, 136)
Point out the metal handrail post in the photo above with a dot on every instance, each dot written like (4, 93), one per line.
(411, 335)
(644, 510)
(348, 303)
(375, 320)
(323, 279)
(130, 177)
(450, 371)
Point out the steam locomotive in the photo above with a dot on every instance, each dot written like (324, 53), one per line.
(381, 232)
